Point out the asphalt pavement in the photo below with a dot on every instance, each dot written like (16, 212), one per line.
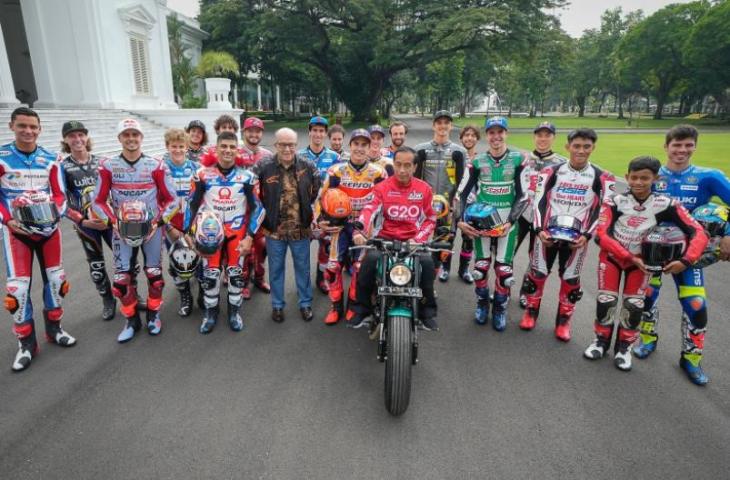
(304, 400)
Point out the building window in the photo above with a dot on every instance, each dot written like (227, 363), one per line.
(140, 66)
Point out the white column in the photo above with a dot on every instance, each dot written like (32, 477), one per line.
(278, 99)
(7, 88)
(258, 95)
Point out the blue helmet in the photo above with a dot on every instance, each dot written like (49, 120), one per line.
(713, 218)
(482, 216)
(496, 122)
(318, 120)
(564, 228)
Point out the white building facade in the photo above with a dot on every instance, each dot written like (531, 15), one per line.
(88, 53)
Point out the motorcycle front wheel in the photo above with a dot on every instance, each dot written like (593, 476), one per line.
(398, 365)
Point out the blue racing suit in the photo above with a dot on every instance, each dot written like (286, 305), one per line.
(692, 187)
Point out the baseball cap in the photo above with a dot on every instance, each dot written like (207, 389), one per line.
(253, 122)
(443, 113)
(128, 124)
(545, 126)
(496, 122)
(73, 126)
(360, 133)
(318, 120)
(376, 129)
(195, 124)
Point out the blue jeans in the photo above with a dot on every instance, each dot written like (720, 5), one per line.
(276, 251)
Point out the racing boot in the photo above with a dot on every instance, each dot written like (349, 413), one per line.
(464, 273)
(234, 317)
(523, 292)
(499, 312)
(523, 301)
(209, 320)
(335, 313)
(444, 275)
(529, 318)
(246, 292)
(261, 284)
(56, 334)
(154, 324)
(598, 347)
(27, 349)
(622, 356)
(691, 363)
(132, 326)
(186, 301)
(482, 311)
(109, 310)
(648, 337)
(563, 321)
(201, 300)
(322, 284)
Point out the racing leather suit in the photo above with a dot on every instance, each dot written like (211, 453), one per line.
(398, 212)
(623, 223)
(323, 161)
(232, 195)
(692, 187)
(442, 167)
(563, 190)
(181, 176)
(78, 177)
(254, 261)
(498, 184)
(20, 171)
(358, 183)
(148, 180)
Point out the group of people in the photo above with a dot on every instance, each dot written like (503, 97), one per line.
(221, 210)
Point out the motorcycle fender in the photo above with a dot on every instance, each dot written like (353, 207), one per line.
(400, 311)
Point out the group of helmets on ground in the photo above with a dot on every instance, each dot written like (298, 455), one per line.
(203, 202)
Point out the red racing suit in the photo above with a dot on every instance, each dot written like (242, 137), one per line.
(233, 195)
(357, 183)
(623, 223)
(148, 180)
(20, 172)
(563, 190)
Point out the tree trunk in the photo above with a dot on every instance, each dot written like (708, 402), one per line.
(581, 101)
(620, 103)
(660, 101)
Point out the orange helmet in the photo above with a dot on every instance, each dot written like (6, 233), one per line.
(336, 207)
(440, 206)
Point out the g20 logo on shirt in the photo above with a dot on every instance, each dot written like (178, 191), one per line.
(402, 212)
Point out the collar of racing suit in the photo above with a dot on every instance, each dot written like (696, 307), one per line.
(543, 155)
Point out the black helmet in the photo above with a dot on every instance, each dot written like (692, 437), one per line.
(183, 259)
(663, 244)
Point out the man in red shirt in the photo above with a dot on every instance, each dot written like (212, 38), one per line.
(404, 203)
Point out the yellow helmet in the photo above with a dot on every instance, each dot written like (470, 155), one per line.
(440, 206)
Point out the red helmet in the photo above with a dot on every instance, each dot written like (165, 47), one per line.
(336, 206)
(134, 221)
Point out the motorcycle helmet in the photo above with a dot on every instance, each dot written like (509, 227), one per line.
(36, 212)
(663, 244)
(336, 206)
(564, 228)
(183, 259)
(209, 233)
(713, 218)
(134, 222)
(440, 206)
(484, 217)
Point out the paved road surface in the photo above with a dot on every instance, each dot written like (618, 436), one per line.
(297, 400)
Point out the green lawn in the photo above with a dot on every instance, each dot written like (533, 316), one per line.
(598, 122)
(614, 151)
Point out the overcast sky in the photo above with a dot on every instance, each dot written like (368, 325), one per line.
(578, 16)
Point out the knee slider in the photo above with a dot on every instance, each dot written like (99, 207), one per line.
(632, 312)
(504, 275)
(235, 277)
(122, 282)
(210, 278)
(17, 294)
(57, 281)
(605, 307)
(98, 271)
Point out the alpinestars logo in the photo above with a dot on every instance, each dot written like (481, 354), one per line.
(415, 196)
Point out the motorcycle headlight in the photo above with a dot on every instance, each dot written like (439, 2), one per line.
(400, 275)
